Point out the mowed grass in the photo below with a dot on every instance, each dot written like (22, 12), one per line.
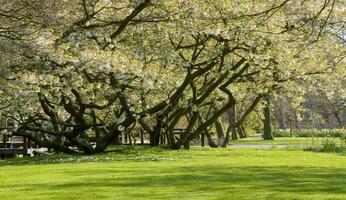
(200, 173)
(289, 140)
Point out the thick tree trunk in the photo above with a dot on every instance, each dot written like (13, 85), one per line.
(267, 134)
(155, 135)
(106, 140)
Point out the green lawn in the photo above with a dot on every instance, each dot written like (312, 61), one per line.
(200, 173)
(286, 140)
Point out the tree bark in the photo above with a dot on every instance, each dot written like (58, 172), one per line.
(211, 141)
(155, 135)
(202, 139)
(267, 134)
(231, 131)
(219, 132)
(142, 137)
(241, 132)
(232, 122)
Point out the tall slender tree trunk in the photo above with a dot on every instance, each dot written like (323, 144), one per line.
(232, 122)
(219, 132)
(202, 139)
(231, 131)
(267, 134)
(142, 136)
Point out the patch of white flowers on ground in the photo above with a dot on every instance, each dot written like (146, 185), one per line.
(81, 159)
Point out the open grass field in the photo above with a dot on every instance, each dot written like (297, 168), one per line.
(289, 140)
(200, 173)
